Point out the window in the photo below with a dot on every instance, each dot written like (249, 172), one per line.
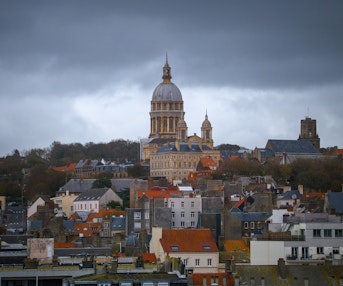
(192, 214)
(182, 223)
(192, 204)
(320, 250)
(182, 214)
(327, 233)
(294, 252)
(172, 204)
(252, 225)
(137, 215)
(174, 247)
(338, 233)
(137, 226)
(197, 262)
(304, 252)
(316, 233)
(209, 261)
(192, 223)
(182, 204)
(246, 225)
(185, 261)
(173, 214)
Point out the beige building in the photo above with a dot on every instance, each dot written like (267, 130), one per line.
(64, 204)
(171, 152)
(41, 249)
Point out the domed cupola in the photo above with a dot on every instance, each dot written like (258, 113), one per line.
(166, 90)
(166, 107)
(206, 131)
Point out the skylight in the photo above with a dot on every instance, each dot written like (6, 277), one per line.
(206, 247)
(174, 247)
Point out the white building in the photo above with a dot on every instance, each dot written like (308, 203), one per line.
(310, 237)
(95, 199)
(185, 211)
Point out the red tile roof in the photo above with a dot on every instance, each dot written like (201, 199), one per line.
(198, 279)
(64, 245)
(158, 193)
(105, 213)
(67, 168)
(149, 257)
(188, 240)
(236, 245)
(208, 162)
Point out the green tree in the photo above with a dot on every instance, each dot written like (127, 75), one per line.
(101, 183)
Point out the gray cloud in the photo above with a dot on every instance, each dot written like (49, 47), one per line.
(263, 64)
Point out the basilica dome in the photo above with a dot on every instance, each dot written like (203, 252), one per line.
(166, 92)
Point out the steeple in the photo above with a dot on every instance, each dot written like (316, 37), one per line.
(166, 72)
(206, 131)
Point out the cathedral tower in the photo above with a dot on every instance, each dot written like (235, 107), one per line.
(308, 131)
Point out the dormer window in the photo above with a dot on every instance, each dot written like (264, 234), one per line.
(206, 247)
(174, 247)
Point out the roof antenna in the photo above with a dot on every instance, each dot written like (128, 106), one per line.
(308, 112)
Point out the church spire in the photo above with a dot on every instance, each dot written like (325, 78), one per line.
(166, 72)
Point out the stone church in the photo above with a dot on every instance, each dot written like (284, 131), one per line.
(169, 150)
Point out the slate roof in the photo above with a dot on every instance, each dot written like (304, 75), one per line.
(336, 201)
(184, 147)
(87, 162)
(251, 216)
(266, 153)
(291, 195)
(121, 184)
(178, 240)
(76, 185)
(91, 195)
(292, 146)
(80, 185)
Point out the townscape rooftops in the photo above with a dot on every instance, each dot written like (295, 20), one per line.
(178, 240)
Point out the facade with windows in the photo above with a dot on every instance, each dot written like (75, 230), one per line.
(185, 211)
(312, 238)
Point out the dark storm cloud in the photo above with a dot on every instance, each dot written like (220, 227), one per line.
(61, 55)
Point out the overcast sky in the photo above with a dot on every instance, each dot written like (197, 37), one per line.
(84, 71)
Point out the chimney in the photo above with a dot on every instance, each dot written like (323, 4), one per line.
(282, 268)
(301, 189)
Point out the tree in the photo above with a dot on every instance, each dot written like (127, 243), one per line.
(101, 183)
(113, 204)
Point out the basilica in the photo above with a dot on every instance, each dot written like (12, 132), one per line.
(171, 153)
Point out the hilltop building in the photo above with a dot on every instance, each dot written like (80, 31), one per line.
(171, 152)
